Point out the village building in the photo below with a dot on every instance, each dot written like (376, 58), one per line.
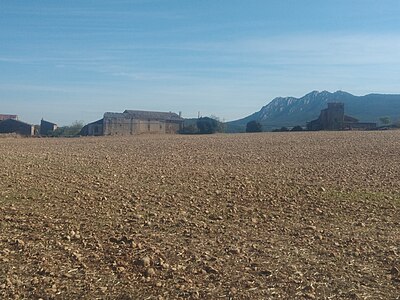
(18, 127)
(132, 122)
(333, 118)
(47, 128)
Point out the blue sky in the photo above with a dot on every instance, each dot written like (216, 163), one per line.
(74, 60)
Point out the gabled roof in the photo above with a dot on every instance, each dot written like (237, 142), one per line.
(145, 115)
(14, 121)
(350, 119)
(153, 115)
(98, 122)
(50, 123)
(115, 115)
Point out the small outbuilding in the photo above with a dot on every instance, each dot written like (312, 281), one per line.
(18, 127)
(47, 128)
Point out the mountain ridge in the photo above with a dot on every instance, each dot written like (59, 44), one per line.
(292, 111)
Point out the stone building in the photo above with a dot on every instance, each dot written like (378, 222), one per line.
(47, 128)
(18, 127)
(333, 118)
(132, 122)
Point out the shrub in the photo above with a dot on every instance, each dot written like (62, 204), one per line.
(282, 129)
(190, 129)
(297, 128)
(72, 130)
(253, 126)
(207, 125)
(385, 120)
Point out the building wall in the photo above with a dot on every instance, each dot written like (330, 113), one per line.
(148, 126)
(360, 126)
(173, 127)
(128, 126)
(47, 127)
(118, 126)
(314, 125)
(13, 126)
(95, 129)
(335, 116)
(331, 118)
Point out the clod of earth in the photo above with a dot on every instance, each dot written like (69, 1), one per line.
(268, 216)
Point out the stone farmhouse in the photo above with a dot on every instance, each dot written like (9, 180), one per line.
(333, 118)
(132, 122)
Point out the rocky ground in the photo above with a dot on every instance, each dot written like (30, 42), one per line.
(251, 216)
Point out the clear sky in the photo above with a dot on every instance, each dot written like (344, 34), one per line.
(70, 60)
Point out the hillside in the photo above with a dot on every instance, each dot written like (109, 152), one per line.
(291, 111)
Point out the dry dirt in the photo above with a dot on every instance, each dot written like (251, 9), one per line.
(256, 216)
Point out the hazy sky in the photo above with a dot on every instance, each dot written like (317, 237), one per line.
(74, 60)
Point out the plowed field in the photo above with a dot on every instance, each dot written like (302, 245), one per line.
(251, 216)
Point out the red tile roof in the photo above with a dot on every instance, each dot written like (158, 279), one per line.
(7, 117)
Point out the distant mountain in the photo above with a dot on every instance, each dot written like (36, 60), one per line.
(292, 111)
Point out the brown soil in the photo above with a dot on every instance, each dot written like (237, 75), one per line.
(256, 216)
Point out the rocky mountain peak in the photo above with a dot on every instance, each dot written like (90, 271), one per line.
(291, 111)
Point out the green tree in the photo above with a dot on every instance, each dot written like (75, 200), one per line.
(297, 128)
(221, 123)
(72, 130)
(207, 125)
(189, 129)
(284, 129)
(253, 126)
(385, 120)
